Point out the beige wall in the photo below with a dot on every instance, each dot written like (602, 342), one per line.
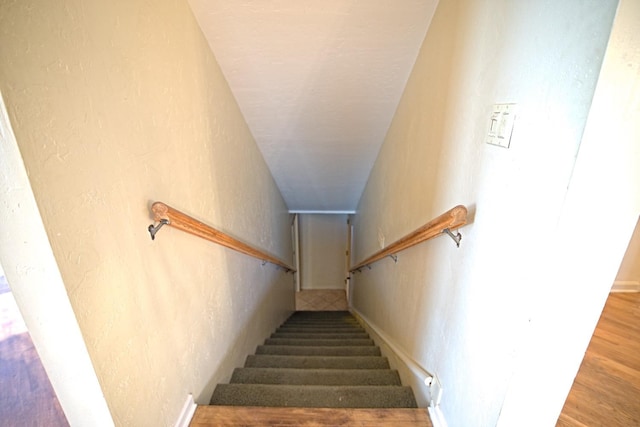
(580, 263)
(323, 245)
(472, 315)
(40, 293)
(115, 105)
(630, 267)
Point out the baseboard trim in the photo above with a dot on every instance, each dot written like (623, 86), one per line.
(187, 412)
(422, 377)
(626, 286)
(437, 417)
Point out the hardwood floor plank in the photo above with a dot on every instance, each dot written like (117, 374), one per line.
(26, 395)
(566, 421)
(607, 388)
(616, 352)
(235, 416)
(610, 369)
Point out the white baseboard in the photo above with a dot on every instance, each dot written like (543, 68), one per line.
(420, 379)
(187, 412)
(626, 286)
(437, 417)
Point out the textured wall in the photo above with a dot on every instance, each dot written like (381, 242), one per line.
(465, 314)
(630, 267)
(39, 291)
(579, 264)
(115, 105)
(323, 242)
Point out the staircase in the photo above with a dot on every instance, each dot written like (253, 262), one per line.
(314, 361)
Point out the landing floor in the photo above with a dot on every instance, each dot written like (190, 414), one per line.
(236, 416)
(321, 300)
(606, 391)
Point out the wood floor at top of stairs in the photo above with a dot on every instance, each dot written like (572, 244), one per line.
(235, 416)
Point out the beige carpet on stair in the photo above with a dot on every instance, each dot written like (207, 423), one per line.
(321, 300)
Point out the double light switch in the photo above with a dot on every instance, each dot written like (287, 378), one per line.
(501, 125)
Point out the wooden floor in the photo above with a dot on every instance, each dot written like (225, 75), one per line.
(237, 416)
(26, 396)
(606, 391)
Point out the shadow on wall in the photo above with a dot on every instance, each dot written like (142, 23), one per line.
(244, 343)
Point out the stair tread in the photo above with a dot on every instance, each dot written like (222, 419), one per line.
(319, 342)
(309, 319)
(321, 328)
(308, 350)
(348, 322)
(321, 335)
(340, 330)
(316, 362)
(320, 313)
(322, 318)
(343, 320)
(251, 416)
(314, 396)
(315, 376)
(333, 325)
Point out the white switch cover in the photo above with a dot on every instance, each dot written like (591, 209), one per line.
(436, 392)
(501, 125)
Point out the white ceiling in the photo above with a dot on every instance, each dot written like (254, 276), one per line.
(318, 82)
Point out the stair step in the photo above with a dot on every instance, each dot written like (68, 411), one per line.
(307, 350)
(341, 325)
(319, 331)
(318, 342)
(308, 319)
(314, 396)
(320, 314)
(316, 318)
(315, 376)
(316, 362)
(251, 416)
(320, 335)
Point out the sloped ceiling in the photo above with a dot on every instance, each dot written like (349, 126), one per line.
(318, 83)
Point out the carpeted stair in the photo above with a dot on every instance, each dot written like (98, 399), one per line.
(316, 360)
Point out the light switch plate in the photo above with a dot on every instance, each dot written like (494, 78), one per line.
(501, 125)
(436, 392)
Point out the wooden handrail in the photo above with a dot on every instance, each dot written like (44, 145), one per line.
(452, 219)
(181, 221)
